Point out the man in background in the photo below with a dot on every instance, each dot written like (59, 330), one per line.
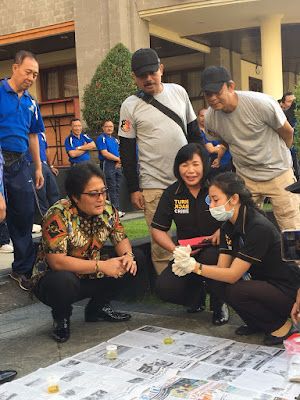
(78, 144)
(157, 135)
(20, 121)
(108, 147)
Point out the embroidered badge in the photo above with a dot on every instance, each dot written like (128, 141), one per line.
(228, 241)
(31, 108)
(181, 206)
(125, 125)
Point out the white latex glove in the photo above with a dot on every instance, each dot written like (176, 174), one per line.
(182, 252)
(181, 268)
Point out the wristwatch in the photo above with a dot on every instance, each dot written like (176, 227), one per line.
(79, 148)
(129, 253)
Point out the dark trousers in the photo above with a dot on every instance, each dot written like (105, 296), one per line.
(188, 290)
(49, 193)
(60, 289)
(4, 234)
(259, 303)
(20, 213)
(113, 177)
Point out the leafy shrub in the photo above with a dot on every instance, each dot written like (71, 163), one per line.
(111, 84)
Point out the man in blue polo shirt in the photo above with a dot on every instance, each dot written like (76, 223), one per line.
(48, 194)
(20, 121)
(108, 147)
(77, 144)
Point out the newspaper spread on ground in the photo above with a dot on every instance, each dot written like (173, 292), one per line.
(191, 367)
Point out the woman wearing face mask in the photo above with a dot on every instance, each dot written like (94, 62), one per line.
(184, 203)
(258, 284)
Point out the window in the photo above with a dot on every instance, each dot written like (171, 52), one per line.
(59, 82)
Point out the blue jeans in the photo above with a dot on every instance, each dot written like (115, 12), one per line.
(4, 234)
(20, 213)
(49, 193)
(113, 177)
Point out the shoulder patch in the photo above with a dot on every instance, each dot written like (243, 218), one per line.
(125, 125)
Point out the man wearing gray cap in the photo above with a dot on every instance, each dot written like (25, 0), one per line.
(160, 120)
(259, 136)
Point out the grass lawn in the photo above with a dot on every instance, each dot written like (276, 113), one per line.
(137, 228)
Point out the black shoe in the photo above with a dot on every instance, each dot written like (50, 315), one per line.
(106, 313)
(245, 330)
(23, 280)
(271, 340)
(61, 330)
(7, 376)
(192, 310)
(221, 315)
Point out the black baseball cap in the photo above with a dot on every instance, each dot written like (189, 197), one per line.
(294, 188)
(144, 60)
(213, 78)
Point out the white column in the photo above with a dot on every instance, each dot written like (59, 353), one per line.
(271, 53)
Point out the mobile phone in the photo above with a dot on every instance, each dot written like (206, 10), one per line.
(290, 245)
(196, 243)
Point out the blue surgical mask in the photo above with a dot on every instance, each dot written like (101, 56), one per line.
(220, 214)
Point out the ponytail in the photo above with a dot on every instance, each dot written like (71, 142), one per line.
(230, 183)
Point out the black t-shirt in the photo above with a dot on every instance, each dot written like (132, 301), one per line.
(191, 215)
(253, 238)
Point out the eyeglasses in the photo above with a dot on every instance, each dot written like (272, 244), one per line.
(95, 195)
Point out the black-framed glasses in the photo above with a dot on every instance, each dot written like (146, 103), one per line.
(95, 195)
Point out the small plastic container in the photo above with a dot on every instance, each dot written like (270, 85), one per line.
(168, 340)
(53, 384)
(111, 352)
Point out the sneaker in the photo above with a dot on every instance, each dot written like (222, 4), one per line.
(36, 228)
(6, 248)
(221, 315)
(23, 280)
(121, 214)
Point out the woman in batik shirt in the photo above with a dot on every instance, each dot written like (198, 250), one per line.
(68, 267)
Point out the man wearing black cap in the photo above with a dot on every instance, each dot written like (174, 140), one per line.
(158, 134)
(259, 136)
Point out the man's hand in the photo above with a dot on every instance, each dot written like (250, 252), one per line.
(2, 208)
(137, 200)
(54, 171)
(118, 164)
(215, 163)
(39, 179)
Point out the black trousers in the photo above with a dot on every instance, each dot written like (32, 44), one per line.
(259, 303)
(188, 290)
(60, 289)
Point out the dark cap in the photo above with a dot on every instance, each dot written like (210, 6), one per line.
(144, 60)
(294, 188)
(213, 78)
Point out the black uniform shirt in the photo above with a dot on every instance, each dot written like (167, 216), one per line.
(253, 238)
(191, 215)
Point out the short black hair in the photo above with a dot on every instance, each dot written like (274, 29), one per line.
(186, 153)
(22, 54)
(286, 94)
(74, 119)
(79, 176)
(202, 108)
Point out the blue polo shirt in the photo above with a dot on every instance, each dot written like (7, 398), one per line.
(18, 118)
(227, 155)
(73, 141)
(43, 146)
(109, 143)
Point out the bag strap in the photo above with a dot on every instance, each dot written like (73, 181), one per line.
(147, 98)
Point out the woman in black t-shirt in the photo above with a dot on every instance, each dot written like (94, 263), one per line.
(184, 203)
(259, 285)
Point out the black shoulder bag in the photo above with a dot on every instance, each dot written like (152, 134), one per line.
(164, 109)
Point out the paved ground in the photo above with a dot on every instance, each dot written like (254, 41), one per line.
(25, 326)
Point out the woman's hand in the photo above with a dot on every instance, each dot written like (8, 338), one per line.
(129, 264)
(215, 238)
(114, 267)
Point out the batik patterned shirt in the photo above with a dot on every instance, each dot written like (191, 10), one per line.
(67, 230)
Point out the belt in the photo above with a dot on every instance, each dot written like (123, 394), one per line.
(10, 157)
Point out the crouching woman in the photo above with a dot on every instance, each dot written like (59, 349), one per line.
(253, 278)
(68, 266)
